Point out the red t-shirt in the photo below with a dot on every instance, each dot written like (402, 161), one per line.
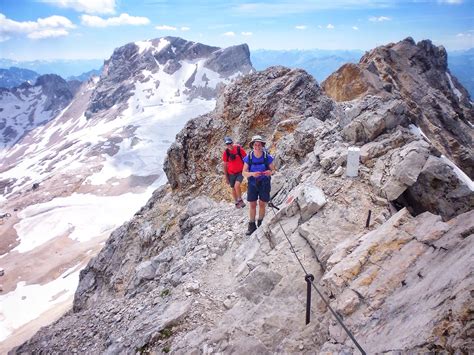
(234, 166)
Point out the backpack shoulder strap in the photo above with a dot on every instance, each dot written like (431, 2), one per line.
(227, 154)
(265, 160)
(239, 153)
(250, 159)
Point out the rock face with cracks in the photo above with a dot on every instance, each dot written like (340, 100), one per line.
(432, 98)
(182, 277)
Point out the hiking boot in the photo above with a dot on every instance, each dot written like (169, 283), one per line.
(259, 222)
(240, 204)
(252, 228)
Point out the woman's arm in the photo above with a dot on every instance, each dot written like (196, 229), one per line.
(270, 171)
(247, 173)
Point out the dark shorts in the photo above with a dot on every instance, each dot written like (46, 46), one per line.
(259, 191)
(235, 177)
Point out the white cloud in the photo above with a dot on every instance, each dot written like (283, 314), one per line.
(229, 34)
(379, 19)
(450, 2)
(330, 27)
(87, 6)
(355, 28)
(165, 28)
(48, 33)
(172, 28)
(301, 27)
(123, 19)
(278, 8)
(247, 33)
(55, 22)
(53, 26)
(464, 35)
(319, 26)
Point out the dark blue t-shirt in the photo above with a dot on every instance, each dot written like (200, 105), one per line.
(258, 164)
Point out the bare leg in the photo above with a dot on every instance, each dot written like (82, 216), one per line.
(261, 209)
(234, 195)
(237, 193)
(252, 211)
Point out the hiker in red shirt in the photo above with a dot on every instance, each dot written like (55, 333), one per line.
(233, 165)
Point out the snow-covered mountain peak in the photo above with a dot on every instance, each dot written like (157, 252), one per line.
(165, 70)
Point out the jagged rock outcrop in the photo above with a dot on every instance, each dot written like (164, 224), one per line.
(181, 276)
(272, 102)
(417, 74)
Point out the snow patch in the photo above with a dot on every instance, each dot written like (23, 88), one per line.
(460, 174)
(417, 131)
(162, 44)
(81, 216)
(143, 46)
(28, 302)
(455, 90)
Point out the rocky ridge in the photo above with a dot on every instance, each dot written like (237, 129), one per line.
(181, 276)
(27, 106)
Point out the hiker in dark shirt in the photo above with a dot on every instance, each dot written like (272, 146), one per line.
(258, 168)
(233, 165)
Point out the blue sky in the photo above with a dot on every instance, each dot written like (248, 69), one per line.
(86, 29)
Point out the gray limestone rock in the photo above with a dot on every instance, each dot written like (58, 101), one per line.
(258, 283)
(440, 190)
(374, 117)
(404, 165)
(306, 200)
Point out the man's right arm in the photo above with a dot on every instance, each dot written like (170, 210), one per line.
(226, 172)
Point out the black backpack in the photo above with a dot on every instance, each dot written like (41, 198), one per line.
(231, 156)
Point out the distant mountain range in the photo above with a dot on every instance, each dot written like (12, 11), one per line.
(319, 63)
(14, 76)
(62, 67)
(86, 75)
